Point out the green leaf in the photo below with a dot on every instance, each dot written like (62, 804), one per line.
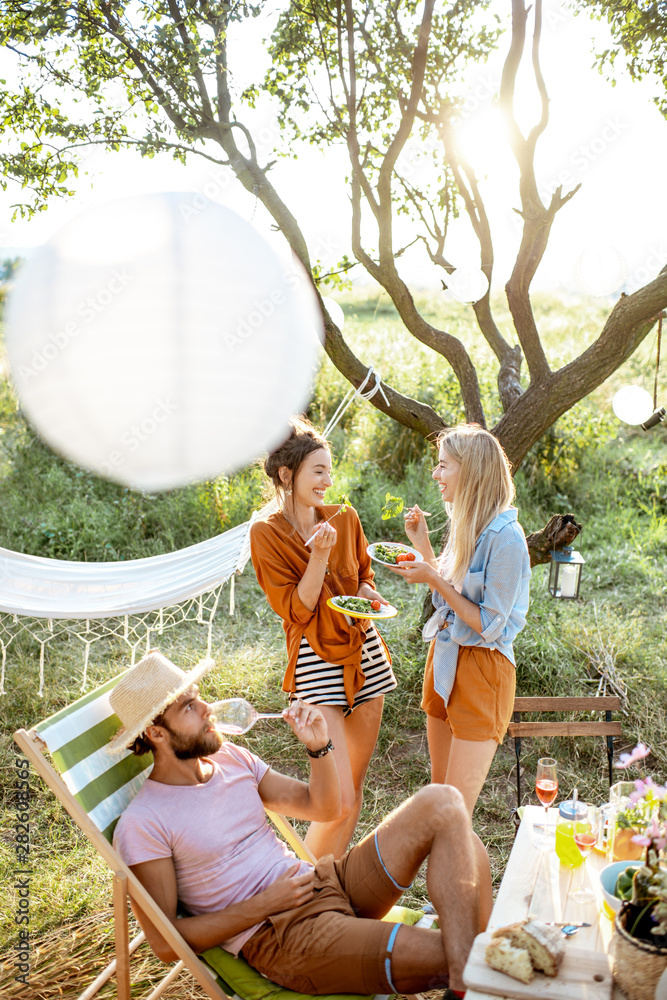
(393, 506)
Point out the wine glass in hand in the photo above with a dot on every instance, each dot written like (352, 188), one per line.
(585, 837)
(546, 787)
(236, 716)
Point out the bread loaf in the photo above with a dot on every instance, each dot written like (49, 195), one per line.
(504, 957)
(544, 944)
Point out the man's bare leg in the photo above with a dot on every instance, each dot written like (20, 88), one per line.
(435, 823)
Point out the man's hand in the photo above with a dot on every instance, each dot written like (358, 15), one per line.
(308, 725)
(288, 891)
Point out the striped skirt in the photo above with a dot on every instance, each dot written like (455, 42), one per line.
(321, 683)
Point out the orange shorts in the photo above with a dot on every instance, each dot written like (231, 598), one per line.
(482, 699)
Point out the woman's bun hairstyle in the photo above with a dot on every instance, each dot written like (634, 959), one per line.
(303, 440)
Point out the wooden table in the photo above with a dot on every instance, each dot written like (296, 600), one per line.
(535, 882)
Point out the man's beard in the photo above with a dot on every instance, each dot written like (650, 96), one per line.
(200, 745)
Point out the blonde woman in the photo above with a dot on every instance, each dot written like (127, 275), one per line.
(480, 593)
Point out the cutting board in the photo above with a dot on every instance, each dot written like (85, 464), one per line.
(583, 975)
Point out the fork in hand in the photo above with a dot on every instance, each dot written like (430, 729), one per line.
(325, 522)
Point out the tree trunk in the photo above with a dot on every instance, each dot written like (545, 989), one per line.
(559, 531)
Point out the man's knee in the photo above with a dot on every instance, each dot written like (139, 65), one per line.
(441, 806)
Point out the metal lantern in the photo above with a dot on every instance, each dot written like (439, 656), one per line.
(565, 573)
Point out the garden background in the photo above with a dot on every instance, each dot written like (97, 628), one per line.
(611, 477)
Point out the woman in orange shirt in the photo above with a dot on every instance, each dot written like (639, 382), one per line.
(340, 664)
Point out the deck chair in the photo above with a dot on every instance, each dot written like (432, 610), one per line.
(95, 788)
(520, 728)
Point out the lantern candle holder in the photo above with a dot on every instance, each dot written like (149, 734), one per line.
(565, 573)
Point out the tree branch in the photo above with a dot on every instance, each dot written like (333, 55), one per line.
(418, 416)
(189, 48)
(545, 401)
(385, 241)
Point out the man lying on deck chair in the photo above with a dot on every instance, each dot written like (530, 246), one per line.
(196, 834)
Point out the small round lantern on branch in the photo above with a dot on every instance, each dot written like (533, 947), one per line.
(467, 284)
(634, 405)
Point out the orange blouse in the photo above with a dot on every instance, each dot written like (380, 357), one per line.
(280, 558)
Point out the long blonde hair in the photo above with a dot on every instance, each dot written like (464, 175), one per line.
(485, 488)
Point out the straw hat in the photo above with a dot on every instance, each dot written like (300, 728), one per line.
(145, 691)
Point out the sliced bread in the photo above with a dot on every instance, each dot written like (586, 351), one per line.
(500, 954)
(545, 944)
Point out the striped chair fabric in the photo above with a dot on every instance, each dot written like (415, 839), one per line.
(104, 785)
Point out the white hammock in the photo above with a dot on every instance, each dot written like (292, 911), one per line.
(132, 600)
(52, 588)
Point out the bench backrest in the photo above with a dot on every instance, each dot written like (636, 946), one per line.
(520, 728)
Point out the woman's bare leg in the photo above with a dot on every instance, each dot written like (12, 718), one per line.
(439, 737)
(461, 763)
(354, 739)
(468, 766)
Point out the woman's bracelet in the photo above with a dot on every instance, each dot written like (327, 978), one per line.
(325, 562)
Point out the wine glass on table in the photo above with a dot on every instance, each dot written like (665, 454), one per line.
(586, 828)
(546, 788)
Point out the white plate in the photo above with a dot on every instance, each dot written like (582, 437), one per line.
(386, 611)
(393, 545)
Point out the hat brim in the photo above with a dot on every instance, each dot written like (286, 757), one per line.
(125, 737)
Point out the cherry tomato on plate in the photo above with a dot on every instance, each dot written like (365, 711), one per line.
(375, 605)
(405, 557)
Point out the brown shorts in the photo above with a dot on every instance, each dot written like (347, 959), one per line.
(336, 943)
(482, 699)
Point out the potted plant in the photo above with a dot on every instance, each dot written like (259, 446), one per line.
(640, 955)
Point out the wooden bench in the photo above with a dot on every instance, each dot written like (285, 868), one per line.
(519, 729)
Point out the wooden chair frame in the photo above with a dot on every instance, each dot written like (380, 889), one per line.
(519, 729)
(126, 887)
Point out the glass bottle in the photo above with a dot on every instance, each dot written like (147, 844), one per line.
(569, 814)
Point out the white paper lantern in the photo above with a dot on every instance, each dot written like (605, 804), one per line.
(632, 405)
(600, 270)
(467, 284)
(335, 310)
(159, 340)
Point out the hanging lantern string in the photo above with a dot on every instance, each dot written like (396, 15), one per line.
(353, 393)
(657, 362)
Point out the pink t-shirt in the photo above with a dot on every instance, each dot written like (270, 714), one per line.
(223, 848)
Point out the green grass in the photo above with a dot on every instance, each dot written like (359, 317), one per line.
(613, 480)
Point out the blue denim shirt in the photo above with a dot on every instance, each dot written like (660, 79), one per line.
(497, 581)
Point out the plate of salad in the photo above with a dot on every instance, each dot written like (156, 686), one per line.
(393, 553)
(361, 607)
